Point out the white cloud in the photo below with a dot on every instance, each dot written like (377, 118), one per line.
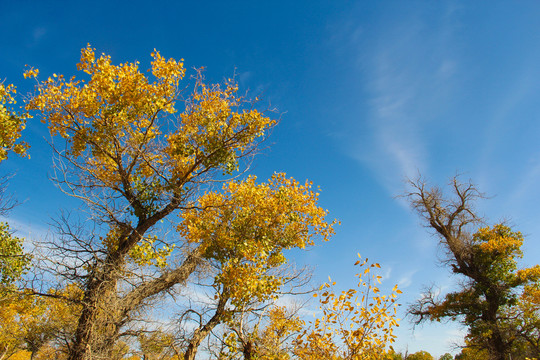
(447, 68)
(38, 33)
(245, 77)
(398, 149)
(408, 73)
(387, 273)
(455, 336)
(406, 279)
(26, 229)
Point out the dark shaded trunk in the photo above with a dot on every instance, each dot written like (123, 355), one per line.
(498, 349)
(248, 350)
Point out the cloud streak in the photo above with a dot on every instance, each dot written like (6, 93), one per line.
(408, 75)
(406, 279)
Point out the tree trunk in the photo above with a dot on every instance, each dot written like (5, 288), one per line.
(98, 326)
(202, 332)
(104, 312)
(498, 350)
(248, 350)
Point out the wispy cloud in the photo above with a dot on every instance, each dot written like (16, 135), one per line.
(406, 279)
(30, 232)
(387, 273)
(455, 336)
(397, 150)
(408, 72)
(36, 36)
(38, 33)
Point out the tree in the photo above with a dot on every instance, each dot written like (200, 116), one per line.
(420, 355)
(14, 262)
(350, 327)
(392, 355)
(353, 325)
(446, 356)
(136, 163)
(526, 318)
(29, 322)
(256, 327)
(488, 299)
(158, 345)
(249, 318)
(470, 353)
(247, 231)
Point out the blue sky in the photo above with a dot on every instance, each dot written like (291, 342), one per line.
(369, 93)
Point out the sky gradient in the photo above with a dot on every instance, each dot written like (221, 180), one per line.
(368, 93)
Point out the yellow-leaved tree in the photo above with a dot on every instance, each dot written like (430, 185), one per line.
(144, 154)
(244, 234)
(30, 323)
(356, 324)
(14, 262)
(264, 335)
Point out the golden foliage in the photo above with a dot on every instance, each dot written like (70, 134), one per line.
(140, 147)
(353, 325)
(28, 322)
(11, 124)
(123, 135)
(496, 250)
(247, 226)
(113, 122)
